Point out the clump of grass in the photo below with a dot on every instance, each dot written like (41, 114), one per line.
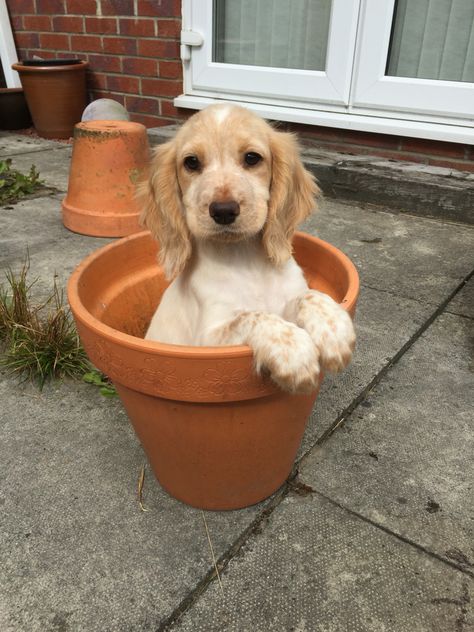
(14, 185)
(40, 340)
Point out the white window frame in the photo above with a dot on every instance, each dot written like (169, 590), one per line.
(361, 110)
(329, 86)
(7, 49)
(373, 89)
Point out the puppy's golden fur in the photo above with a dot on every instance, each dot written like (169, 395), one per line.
(223, 199)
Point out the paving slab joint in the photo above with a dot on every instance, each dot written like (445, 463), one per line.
(362, 396)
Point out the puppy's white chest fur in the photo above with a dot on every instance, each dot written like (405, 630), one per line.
(223, 281)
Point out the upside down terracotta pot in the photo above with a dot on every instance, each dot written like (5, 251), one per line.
(108, 158)
(56, 95)
(217, 436)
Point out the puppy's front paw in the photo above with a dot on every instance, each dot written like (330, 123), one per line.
(331, 330)
(290, 357)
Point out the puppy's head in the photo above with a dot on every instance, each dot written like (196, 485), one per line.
(226, 176)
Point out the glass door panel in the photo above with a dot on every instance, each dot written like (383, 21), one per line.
(417, 56)
(272, 33)
(433, 40)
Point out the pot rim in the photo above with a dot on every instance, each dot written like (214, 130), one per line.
(21, 68)
(172, 350)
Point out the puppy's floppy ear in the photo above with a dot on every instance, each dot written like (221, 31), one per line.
(162, 211)
(292, 196)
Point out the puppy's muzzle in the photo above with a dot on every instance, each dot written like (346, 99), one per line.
(224, 212)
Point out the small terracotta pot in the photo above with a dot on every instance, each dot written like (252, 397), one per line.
(56, 96)
(108, 158)
(14, 113)
(216, 435)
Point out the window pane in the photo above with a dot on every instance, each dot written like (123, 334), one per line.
(272, 33)
(433, 39)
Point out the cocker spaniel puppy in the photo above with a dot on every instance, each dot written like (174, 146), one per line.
(223, 199)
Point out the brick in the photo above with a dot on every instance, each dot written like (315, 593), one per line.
(21, 7)
(147, 120)
(37, 23)
(68, 24)
(99, 94)
(120, 83)
(120, 45)
(117, 7)
(45, 54)
(142, 105)
(82, 7)
(105, 26)
(467, 165)
(86, 43)
(169, 28)
(161, 87)
(97, 81)
(168, 49)
(167, 109)
(140, 27)
(27, 40)
(55, 41)
(160, 8)
(140, 66)
(17, 22)
(50, 7)
(434, 148)
(105, 63)
(170, 70)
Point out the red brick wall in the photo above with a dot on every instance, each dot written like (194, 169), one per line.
(132, 47)
(429, 152)
(133, 50)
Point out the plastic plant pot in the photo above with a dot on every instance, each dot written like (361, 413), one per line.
(217, 436)
(55, 93)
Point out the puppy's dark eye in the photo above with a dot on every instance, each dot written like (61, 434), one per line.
(192, 163)
(251, 158)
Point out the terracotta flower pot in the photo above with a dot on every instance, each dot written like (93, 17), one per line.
(216, 435)
(56, 95)
(14, 113)
(108, 157)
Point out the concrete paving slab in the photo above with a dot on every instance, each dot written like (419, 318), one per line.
(53, 166)
(416, 258)
(318, 568)
(34, 226)
(404, 457)
(463, 303)
(384, 324)
(12, 144)
(77, 551)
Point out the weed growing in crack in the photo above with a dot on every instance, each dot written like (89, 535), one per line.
(14, 185)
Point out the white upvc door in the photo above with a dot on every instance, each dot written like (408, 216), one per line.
(265, 79)
(403, 67)
(376, 88)
(7, 49)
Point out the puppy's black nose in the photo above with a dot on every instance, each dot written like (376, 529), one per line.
(224, 212)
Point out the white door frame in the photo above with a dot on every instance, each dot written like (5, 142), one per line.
(8, 54)
(304, 86)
